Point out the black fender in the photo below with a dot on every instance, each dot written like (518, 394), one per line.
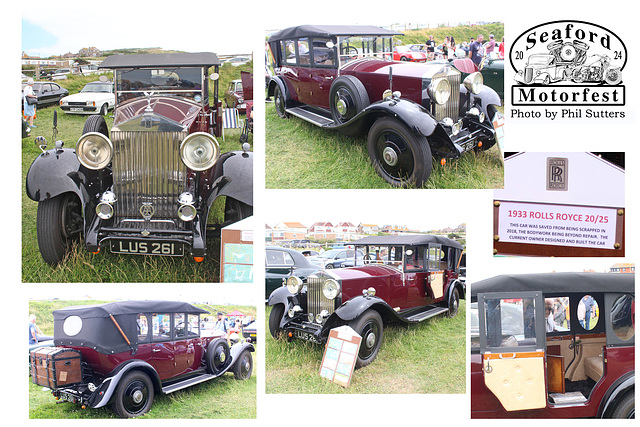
(356, 306)
(279, 82)
(103, 395)
(414, 116)
(58, 171)
(280, 295)
(236, 350)
(456, 284)
(482, 100)
(613, 395)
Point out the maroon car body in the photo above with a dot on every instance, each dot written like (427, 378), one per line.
(404, 279)
(132, 350)
(533, 355)
(344, 78)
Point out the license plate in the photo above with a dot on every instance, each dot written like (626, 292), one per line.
(306, 336)
(68, 397)
(76, 109)
(147, 247)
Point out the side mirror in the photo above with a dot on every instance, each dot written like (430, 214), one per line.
(55, 118)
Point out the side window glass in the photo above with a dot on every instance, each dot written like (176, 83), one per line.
(288, 51)
(588, 312)
(322, 54)
(142, 327)
(161, 326)
(622, 317)
(179, 325)
(510, 322)
(414, 258)
(303, 51)
(555, 311)
(193, 329)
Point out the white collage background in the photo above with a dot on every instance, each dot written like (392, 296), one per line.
(229, 27)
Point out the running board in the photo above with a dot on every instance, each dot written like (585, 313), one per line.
(424, 314)
(311, 115)
(187, 383)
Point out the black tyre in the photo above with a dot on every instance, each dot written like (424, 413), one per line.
(96, 123)
(369, 326)
(58, 223)
(404, 58)
(104, 109)
(235, 210)
(280, 102)
(454, 303)
(329, 266)
(217, 356)
(401, 157)
(347, 97)
(626, 408)
(244, 366)
(134, 395)
(275, 317)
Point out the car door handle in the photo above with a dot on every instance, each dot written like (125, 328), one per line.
(155, 350)
(329, 77)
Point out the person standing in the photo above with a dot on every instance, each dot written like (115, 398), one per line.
(476, 51)
(29, 109)
(490, 45)
(221, 323)
(431, 47)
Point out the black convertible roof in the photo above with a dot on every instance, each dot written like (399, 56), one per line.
(202, 59)
(556, 283)
(331, 30)
(126, 307)
(411, 240)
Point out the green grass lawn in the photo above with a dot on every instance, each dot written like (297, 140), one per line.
(301, 155)
(82, 266)
(221, 398)
(425, 358)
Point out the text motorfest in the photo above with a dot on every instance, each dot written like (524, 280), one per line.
(569, 64)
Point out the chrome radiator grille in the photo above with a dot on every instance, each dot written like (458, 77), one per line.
(528, 74)
(316, 301)
(452, 107)
(147, 169)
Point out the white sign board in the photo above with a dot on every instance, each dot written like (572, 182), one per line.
(559, 225)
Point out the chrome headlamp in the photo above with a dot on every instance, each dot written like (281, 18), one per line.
(199, 151)
(473, 82)
(439, 90)
(321, 316)
(294, 285)
(331, 289)
(104, 210)
(94, 150)
(474, 111)
(186, 211)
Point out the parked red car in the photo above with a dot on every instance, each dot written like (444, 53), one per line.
(128, 351)
(404, 279)
(556, 345)
(404, 53)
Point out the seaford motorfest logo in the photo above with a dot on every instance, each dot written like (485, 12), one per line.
(572, 69)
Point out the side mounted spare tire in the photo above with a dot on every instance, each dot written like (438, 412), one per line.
(217, 357)
(347, 98)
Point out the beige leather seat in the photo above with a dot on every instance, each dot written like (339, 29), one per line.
(594, 367)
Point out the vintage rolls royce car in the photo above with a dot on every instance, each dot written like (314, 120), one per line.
(554, 345)
(344, 78)
(146, 186)
(404, 279)
(123, 353)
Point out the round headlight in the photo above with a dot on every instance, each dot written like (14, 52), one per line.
(94, 150)
(294, 285)
(331, 289)
(473, 82)
(439, 90)
(199, 151)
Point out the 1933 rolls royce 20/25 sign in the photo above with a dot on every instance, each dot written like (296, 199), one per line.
(124, 353)
(147, 186)
(344, 78)
(404, 279)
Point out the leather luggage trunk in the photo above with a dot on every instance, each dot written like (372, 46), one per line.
(55, 367)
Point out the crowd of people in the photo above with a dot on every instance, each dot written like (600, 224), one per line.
(476, 49)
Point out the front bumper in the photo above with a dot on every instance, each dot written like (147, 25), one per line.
(79, 109)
